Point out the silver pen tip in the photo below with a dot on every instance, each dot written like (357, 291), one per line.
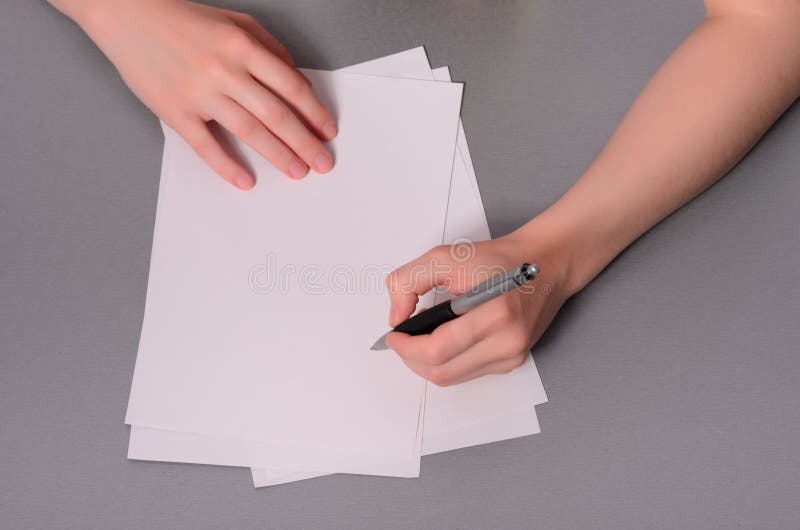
(380, 344)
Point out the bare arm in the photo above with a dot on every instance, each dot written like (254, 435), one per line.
(696, 118)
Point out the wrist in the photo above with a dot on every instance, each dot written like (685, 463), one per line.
(573, 247)
(95, 17)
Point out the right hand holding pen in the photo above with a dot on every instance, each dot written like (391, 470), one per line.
(493, 338)
(191, 64)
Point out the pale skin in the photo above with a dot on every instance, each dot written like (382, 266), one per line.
(191, 64)
(702, 111)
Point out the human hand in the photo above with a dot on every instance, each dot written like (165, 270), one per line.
(493, 338)
(191, 64)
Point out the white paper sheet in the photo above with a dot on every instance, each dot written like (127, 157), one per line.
(466, 219)
(173, 446)
(202, 367)
(164, 445)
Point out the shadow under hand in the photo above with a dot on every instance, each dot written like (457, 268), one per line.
(225, 140)
(564, 319)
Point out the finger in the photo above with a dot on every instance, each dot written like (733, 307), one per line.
(452, 338)
(412, 280)
(292, 87)
(282, 122)
(495, 368)
(197, 135)
(432, 350)
(499, 349)
(251, 131)
(265, 38)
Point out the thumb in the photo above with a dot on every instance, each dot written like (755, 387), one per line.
(415, 278)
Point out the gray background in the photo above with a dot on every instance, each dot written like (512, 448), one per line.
(673, 378)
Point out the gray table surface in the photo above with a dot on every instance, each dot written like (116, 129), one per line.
(673, 378)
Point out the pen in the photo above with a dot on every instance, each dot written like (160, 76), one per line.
(427, 321)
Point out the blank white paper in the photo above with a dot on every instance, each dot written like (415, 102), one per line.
(443, 432)
(219, 356)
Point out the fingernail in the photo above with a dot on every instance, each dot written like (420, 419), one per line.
(297, 169)
(244, 182)
(324, 162)
(329, 130)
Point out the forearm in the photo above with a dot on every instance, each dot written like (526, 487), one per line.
(697, 117)
(80, 11)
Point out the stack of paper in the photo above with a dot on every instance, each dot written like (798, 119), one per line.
(262, 306)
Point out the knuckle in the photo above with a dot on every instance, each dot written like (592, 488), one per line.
(236, 41)
(246, 128)
(191, 134)
(276, 115)
(451, 341)
(186, 83)
(396, 282)
(204, 149)
(201, 145)
(261, 108)
(439, 376)
(214, 68)
(436, 354)
(295, 87)
(514, 363)
(517, 343)
(504, 312)
(439, 252)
